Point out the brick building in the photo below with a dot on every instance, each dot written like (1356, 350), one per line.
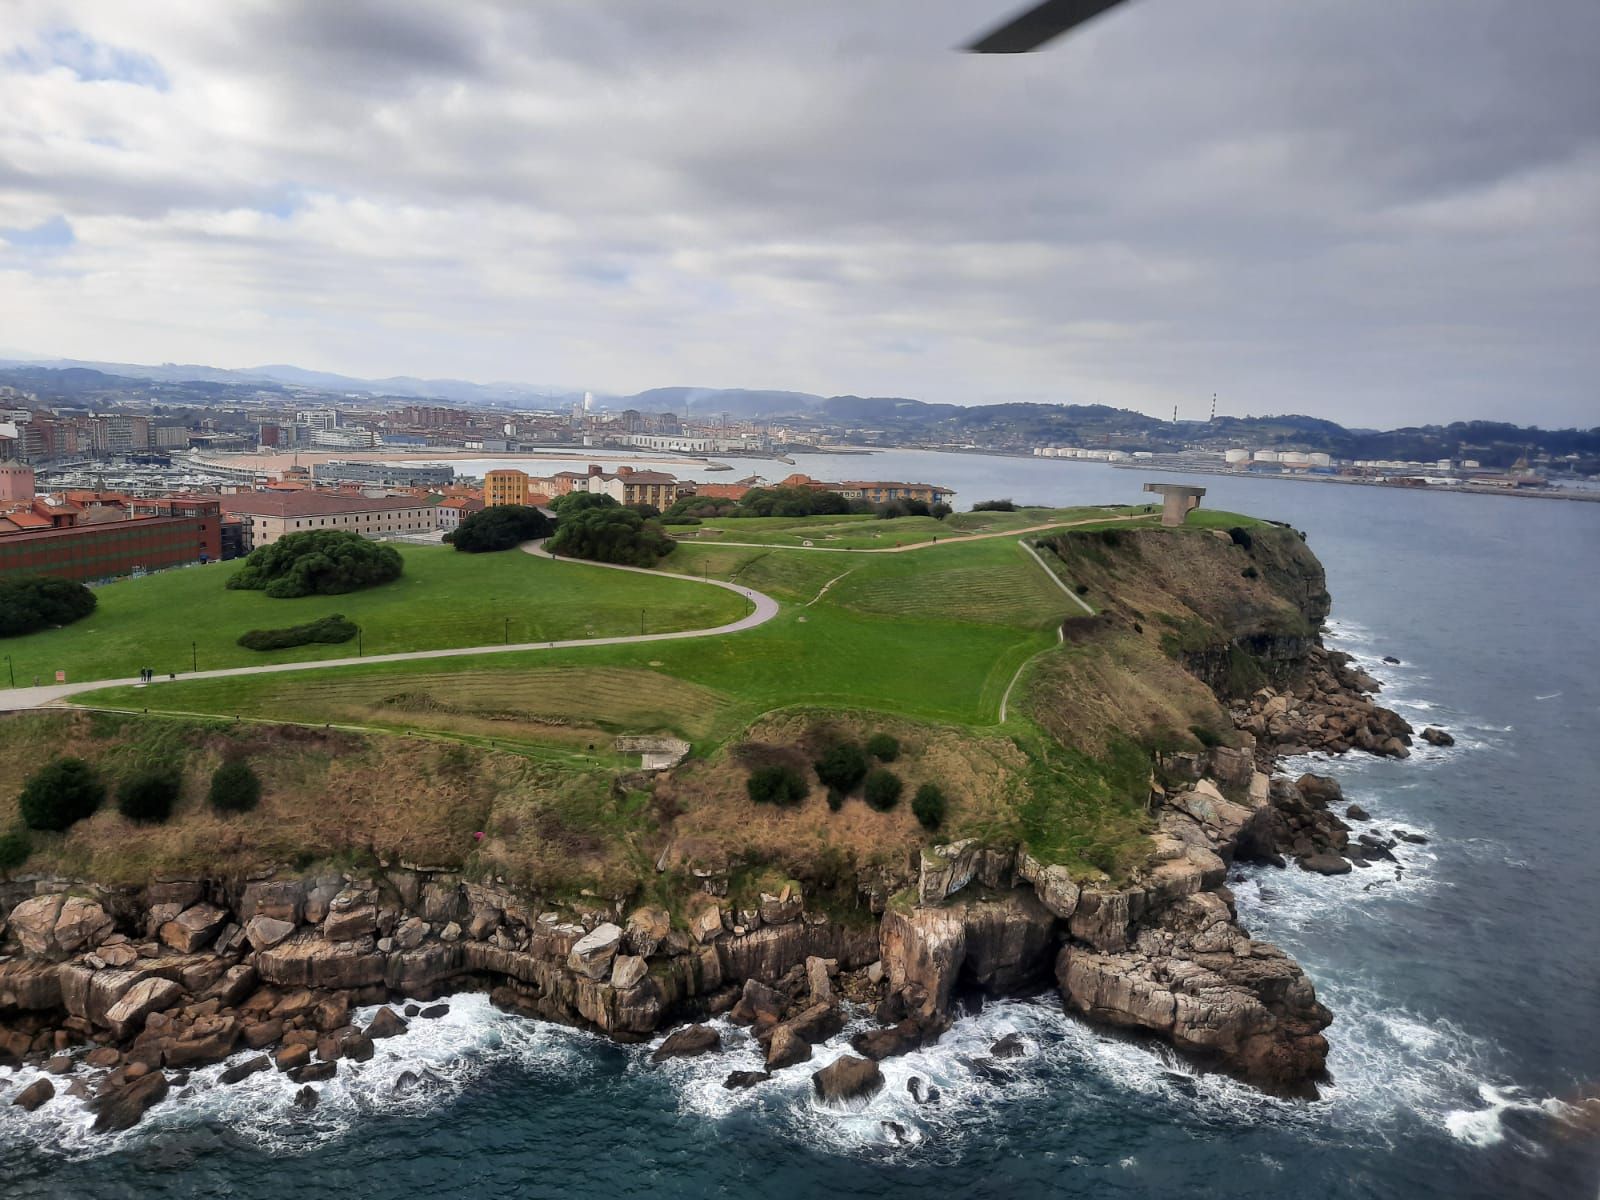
(268, 516)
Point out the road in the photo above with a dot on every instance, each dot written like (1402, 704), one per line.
(763, 609)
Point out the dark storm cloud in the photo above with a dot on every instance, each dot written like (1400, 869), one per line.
(1361, 209)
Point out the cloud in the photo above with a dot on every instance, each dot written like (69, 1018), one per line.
(1373, 213)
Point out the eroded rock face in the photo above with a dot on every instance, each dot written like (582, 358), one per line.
(591, 956)
(1200, 982)
(194, 928)
(995, 944)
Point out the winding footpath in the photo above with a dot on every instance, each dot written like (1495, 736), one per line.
(763, 609)
(959, 539)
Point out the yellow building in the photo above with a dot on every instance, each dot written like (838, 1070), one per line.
(505, 487)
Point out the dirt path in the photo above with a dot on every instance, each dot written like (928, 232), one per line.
(956, 540)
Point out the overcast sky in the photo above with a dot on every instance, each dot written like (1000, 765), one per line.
(1377, 212)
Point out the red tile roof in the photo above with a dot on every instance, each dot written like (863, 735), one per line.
(308, 504)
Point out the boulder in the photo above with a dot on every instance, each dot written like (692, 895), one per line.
(314, 1072)
(1356, 813)
(410, 933)
(357, 1047)
(848, 1079)
(306, 1098)
(592, 954)
(1437, 737)
(233, 985)
(245, 1069)
(786, 1049)
(758, 1005)
(1053, 885)
(627, 970)
(127, 1016)
(194, 928)
(786, 906)
(263, 1033)
(745, 1079)
(1325, 863)
(289, 1057)
(35, 1094)
(386, 1023)
(33, 924)
(81, 925)
(343, 925)
(306, 960)
(266, 932)
(706, 924)
(688, 1042)
(646, 931)
(434, 1011)
(124, 1107)
(209, 1040)
(816, 1023)
(818, 978)
(888, 1041)
(331, 1012)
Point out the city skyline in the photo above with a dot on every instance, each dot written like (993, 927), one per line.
(1380, 217)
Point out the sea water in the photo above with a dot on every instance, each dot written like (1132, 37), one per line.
(1465, 979)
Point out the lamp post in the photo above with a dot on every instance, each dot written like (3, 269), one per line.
(641, 622)
(11, 671)
(359, 651)
(194, 655)
(508, 631)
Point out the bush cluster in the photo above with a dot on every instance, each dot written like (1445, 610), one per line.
(499, 528)
(994, 506)
(883, 788)
(929, 805)
(331, 630)
(842, 768)
(34, 602)
(610, 533)
(60, 794)
(791, 502)
(235, 787)
(884, 747)
(15, 847)
(776, 785)
(320, 562)
(149, 796)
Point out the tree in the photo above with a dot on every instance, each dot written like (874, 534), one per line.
(235, 787)
(320, 562)
(31, 603)
(994, 506)
(613, 535)
(60, 794)
(842, 768)
(791, 502)
(883, 788)
(574, 503)
(149, 796)
(884, 747)
(929, 805)
(776, 785)
(694, 508)
(499, 528)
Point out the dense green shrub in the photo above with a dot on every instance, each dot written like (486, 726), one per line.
(842, 768)
(1206, 736)
(939, 510)
(320, 562)
(611, 534)
(331, 630)
(235, 787)
(1250, 573)
(929, 805)
(883, 788)
(994, 506)
(884, 747)
(15, 846)
(835, 800)
(890, 509)
(791, 502)
(574, 503)
(60, 793)
(691, 509)
(499, 527)
(34, 602)
(1241, 537)
(776, 785)
(149, 796)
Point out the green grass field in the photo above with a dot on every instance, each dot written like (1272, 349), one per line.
(173, 619)
(865, 532)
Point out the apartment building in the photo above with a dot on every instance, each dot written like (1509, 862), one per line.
(268, 516)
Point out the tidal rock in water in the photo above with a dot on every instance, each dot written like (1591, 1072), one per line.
(786, 1049)
(123, 1107)
(35, 1094)
(245, 1069)
(1010, 1046)
(922, 1093)
(688, 1042)
(1325, 863)
(745, 1079)
(306, 1098)
(1356, 813)
(1437, 737)
(848, 1078)
(386, 1023)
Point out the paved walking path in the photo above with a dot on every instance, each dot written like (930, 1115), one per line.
(763, 609)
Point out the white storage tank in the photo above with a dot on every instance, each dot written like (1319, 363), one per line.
(1266, 456)
(1233, 457)
(1318, 459)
